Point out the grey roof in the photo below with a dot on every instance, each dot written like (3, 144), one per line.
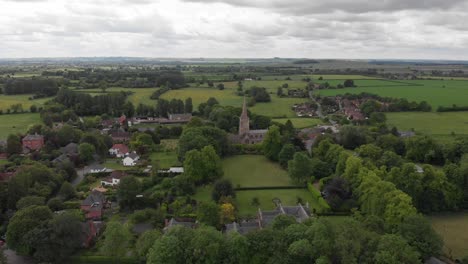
(96, 198)
(299, 212)
(33, 137)
(71, 148)
(96, 167)
(243, 228)
(60, 159)
(133, 156)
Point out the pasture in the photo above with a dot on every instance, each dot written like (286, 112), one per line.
(432, 123)
(17, 123)
(6, 101)
(254, 171)
(453, 228)
(435, 92)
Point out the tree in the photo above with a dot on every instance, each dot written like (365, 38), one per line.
(86, 151)
(279, 92)
(237, 248)
(146, 241)
(301, 251)
(55, 204)
(203, 166)
(29, 201)
(352, 137)
(116, 239)
(227, 213)
(222, 188)
(393, 249)
(348, 83)
(281, 222)
(206, 246)
(188, 105)
(417, 230)
(208, 213)
(14, 145)
(67, 191)
(21, 223)
(286, 154)
(220, 86)
(272, 143)
(299, 168)
(129, 188)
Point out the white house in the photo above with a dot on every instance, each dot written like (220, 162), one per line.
(119, 150)
(113, 179)
(131, 159)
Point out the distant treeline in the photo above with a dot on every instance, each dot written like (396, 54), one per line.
(453, 108)
(164, 107)
(41, 87)
(113, 104)
(128, 78)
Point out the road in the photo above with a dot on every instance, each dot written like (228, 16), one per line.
(319, 108)
(80, 175)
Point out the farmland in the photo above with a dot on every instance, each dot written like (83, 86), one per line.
(17, 123)
(454, 230)
(430, 123)
(435, 92)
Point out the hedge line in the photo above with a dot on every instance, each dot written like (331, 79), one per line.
(103, 260)
(269, 188)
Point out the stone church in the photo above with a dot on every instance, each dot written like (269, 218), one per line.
(246, 135)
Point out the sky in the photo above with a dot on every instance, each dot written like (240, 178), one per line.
(341, 29)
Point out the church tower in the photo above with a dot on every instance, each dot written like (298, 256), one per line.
(244, 120)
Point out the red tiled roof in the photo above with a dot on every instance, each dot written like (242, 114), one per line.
(122, 148)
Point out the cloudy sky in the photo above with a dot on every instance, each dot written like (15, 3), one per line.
(399, 29)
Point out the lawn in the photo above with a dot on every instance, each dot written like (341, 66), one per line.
(266, 197)
(254, 171)
(115, 164)
(435, 92)
(300, 122)
(454, 230)
(165, 159)
(6, 101)
(430, 123)
(17, 123)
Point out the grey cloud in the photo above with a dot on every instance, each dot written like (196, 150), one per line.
(301, 7)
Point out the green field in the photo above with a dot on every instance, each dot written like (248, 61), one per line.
(430, 123)
(140, 95)
(435, 92)
(6, 101)
(454, 230)
(17, 123)
(165, 159)
(315, 77)
(300, 122)
(254, 171)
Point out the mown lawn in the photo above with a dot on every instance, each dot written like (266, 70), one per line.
(431, 122)
(17, 123)
(453, 228)
(435, 92)
(300, 122)
(165, 159)
(254, 171)
(115, 164)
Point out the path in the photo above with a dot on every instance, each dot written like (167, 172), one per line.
(80, 173)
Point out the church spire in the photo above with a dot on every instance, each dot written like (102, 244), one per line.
(244, 120)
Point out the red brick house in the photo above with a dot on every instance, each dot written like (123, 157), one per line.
(94, 205)
(33, 142)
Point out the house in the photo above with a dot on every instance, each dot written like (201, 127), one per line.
(119, 150)
(187, 222)
(173, 170)
(243, 228)
(120, 136)
(96, 168)
(299, 212)
(60, 159)
(33, 142)
(70, 149)
(131, 159)
(107, 123)
(94, 205)
(113, 179)
(90, 231)
(6, 176)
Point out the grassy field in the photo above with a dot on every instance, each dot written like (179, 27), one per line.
(454, 230)
(115, 164)
(140, 95)
(165, 159)
(254, 171)
(6, 101)
(315, 77)
(430, 123)
(300, 122)
(435, 92)
(17, 123)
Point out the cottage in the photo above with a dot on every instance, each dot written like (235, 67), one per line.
(94, 205)
(131, 159)
(113, 179)
(119, 150)
(33, 142)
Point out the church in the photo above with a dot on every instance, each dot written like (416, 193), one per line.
(246, 135)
